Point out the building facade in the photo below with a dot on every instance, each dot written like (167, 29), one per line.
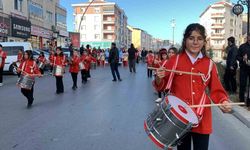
(220, 24)
(141, 39)
(100, 23)
(35, 21)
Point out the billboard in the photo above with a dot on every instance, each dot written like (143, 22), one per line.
(75, 39)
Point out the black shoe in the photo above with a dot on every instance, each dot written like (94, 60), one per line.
(120, 79)
(114, 80)
(29, 105)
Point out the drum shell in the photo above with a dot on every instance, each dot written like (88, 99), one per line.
(164, 126)
(26, 82)
(82, 66)
(58, 70)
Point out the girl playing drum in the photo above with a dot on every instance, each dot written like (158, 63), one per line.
(29, 70)
(190, 88)
(74, 68)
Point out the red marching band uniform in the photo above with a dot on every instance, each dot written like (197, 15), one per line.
(3, 56)
(59, 61)
(150, 60)
(29, 67)
(191, 93)
(74, 64)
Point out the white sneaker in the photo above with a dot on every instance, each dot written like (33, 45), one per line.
(158, 100)
(1, 84)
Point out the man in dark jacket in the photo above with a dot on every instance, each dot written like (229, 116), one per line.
(231, 66)
(131, 58)
(244, 57)
(114, 62)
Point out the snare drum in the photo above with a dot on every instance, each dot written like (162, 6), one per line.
(58, 70)
(41, 65)
(26, 82)
(82, 66)
(169, 122)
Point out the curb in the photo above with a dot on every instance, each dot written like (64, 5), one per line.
(241, 117)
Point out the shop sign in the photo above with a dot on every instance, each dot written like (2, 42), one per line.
(20, 28)
(4, 26)
(41, 32)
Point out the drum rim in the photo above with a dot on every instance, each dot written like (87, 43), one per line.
(177, 115)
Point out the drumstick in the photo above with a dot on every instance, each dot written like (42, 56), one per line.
(211, 105)
(178, 71)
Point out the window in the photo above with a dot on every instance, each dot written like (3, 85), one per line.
(18, 4)
(231, 22)
(35, 10)
(83, 27)
(49, 16)
(97, 18)
(231, 31)
(110, 37)
(1, 5)
(82, 10)
(96, 27)
(97, 10)
(109, 28)
(218, 30)
(97, 36)
(83, 36)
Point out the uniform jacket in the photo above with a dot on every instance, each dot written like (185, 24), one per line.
(29, 66)
(74, 65)
(59, 60)
(150, 59)
(189, 88)
(3, 56)
(86, 59)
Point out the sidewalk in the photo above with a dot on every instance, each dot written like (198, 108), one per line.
(241, 112)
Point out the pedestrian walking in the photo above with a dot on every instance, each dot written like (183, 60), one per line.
(132, 58)
(190, 88)
(231, 66)
(74, 68)
(143, 54)
(114, 62)
(29, 70)
(3, 56)
(59, 69)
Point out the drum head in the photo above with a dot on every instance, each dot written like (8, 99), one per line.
(181, 109)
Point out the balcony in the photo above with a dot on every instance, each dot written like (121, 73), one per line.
(108, 31)
(217, 26)
(217, 36)
(217, 15)
(108, 22)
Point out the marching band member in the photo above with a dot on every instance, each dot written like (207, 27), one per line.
(86, 60)
(149, 61)
(41, 62)
(172, 51)
(102, 57)
(125, 58)
(58, 69)
(3, 56)
(191, 88)
(162, 63)
(74, 68)
(51, 59)
(19, 60)
(28, 68)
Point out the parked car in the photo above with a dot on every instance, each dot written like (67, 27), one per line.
(12, 51)
(66, 51)
(36, 53)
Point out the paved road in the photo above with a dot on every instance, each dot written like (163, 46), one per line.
(101, 115)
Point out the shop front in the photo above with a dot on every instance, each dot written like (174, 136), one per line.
(20, 29)
(102, 45)
(40, 37)
(4, 28)
(62, 38)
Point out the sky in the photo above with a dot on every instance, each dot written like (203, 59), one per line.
(154, 16)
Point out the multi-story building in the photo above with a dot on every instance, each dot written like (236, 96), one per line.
(100, 23)
(129, 37)
(35, 21)
(220, 24)
(141, 39)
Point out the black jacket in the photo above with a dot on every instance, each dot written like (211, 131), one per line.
(231, 56)
(131, 53)
(244, 49)
(113, 55)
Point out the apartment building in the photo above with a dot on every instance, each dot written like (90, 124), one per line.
(220, 24)
(100, 23)
(36, 21)
(141, 39)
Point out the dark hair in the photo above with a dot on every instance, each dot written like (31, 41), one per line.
(190, 28)
(231, 39)
(30, 54)
(60, 48)
(113, 44)
(1, 45)
(163, 51)
(87, 46)
(132, 45)
(42, 54)
(174, 49)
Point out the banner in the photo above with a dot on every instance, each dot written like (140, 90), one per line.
(20, 28)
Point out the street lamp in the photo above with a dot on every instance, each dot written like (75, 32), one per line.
(173, 26)
(238, 9)
(84, 14)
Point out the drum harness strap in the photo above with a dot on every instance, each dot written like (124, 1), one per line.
(199, 110)
(24, 67)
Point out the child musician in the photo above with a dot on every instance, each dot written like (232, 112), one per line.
(74, 68)
(28, 69)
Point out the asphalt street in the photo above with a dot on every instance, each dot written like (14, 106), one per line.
(99, 115)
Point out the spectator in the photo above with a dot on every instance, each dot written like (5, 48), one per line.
(114, 62)
(132, 58)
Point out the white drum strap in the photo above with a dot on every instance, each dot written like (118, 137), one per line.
(200, 110)
(24, 66)
(170, 79)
